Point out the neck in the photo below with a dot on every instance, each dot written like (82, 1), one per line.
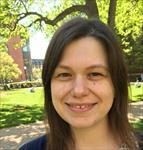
(96, 137)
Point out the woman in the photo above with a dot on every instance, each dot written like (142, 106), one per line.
(86, 90)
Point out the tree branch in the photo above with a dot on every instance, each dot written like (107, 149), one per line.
(24, 5)
(24, 15)
(62, 15)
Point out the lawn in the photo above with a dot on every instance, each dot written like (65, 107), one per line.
(22, 106)
(136, 93)
(13, 115)
(138, 125)
(22, 97)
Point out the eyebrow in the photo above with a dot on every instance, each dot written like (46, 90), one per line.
(98, 66)
(89, 67)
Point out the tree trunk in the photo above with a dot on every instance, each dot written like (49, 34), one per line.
(92, 9)
(111, 13)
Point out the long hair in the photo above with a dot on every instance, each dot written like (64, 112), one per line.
(60, 136)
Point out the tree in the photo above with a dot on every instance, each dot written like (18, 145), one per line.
(36, 72)
(8, 13)
(8, 69)
(130, 30)
(18, 14)
(123, 16)
(134, 57)
(14, 11)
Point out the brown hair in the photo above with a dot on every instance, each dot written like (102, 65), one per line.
(60, 136)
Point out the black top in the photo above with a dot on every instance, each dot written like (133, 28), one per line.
(35, 144)
(40, 143)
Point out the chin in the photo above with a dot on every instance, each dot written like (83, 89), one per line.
(80, 124)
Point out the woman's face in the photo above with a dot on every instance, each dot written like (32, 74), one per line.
(81, 87)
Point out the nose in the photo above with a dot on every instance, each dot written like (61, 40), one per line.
(79, 88)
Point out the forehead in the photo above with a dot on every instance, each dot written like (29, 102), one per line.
(87, 50)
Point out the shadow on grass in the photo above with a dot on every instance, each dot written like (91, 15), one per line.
(138, 125)
(14, 115)
(139, 97)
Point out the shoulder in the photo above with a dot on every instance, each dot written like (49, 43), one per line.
(35, 144)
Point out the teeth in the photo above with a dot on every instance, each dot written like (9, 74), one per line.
(77, 106)
(81, 106)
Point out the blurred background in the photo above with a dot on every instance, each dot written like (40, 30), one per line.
(26, 27)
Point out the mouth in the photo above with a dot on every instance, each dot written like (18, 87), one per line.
(80, 107)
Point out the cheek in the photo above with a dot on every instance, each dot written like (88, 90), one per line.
(59, 90)
(104, 88)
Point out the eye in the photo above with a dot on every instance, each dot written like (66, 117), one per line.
(95, 75)
(64, 76)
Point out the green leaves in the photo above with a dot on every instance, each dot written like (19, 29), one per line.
(18, 17)
(8, 69)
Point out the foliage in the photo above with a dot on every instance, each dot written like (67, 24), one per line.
(36, 72)
(134, 57)
(123, 16)
(40, 14)
(25, 13)
(8, 14)
(24, 84)
(129, 18)
(8, 69)
(129, 25)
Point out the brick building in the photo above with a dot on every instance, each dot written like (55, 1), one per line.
(21, 56)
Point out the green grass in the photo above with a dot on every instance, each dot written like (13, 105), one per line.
(22, 106)
(135, 93)
(22, 97)
(13, 115)
(138, 125)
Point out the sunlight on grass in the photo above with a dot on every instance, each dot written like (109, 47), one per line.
(136, 93)
(22, 97)
(20, 106)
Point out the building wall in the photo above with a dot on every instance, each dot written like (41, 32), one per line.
(17, 55)
(27, 60)
(37, 63)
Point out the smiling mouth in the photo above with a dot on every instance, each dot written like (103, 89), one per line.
(80, 107)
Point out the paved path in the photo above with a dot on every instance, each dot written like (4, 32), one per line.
(11, 138)
(136, 111)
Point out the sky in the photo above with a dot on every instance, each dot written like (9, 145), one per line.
(38, 45)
